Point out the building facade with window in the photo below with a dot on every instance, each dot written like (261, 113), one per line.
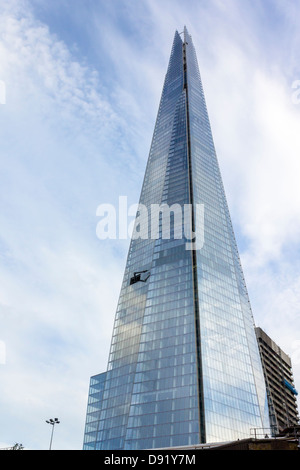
(279, 378)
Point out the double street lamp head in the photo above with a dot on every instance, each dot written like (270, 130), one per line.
(53, 421)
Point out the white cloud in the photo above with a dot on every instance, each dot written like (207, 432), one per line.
(268, 212)
(59, 285)
(69, 143)
(41, 72)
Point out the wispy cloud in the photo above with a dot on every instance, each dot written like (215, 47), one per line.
(58, 284)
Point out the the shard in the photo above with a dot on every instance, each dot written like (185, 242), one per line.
(184, 365)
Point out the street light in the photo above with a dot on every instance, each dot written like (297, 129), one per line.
(53, 422)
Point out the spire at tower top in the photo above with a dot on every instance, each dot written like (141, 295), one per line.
(186, 34)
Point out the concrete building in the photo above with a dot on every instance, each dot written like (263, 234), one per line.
(282, 393)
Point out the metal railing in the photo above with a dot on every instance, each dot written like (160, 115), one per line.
(263, 433)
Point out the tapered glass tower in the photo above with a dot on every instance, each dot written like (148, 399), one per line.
(184, 366)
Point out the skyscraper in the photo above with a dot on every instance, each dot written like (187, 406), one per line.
(184, 366)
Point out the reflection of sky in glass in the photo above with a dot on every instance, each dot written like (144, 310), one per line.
(234, 390)
(166, 386)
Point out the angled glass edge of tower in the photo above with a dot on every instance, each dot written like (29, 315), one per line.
(184, 365)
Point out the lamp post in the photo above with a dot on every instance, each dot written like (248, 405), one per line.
(53, 422)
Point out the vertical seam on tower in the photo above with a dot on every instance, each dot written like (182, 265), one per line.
(194, 262)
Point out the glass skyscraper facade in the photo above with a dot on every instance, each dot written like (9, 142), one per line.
(184, 365)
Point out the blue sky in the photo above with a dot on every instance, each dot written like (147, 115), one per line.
(83, 80)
